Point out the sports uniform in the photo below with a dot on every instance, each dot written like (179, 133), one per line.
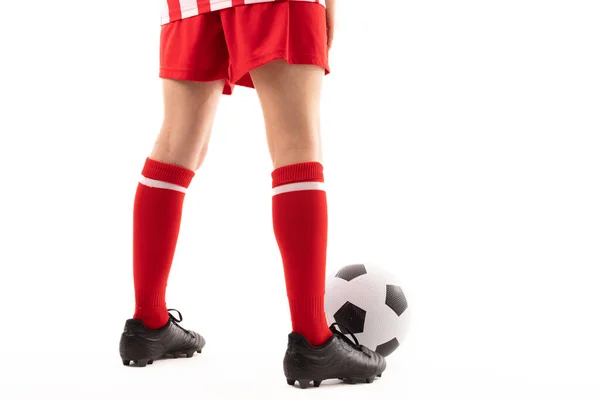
(208, 40)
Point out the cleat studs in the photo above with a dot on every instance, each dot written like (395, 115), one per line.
(304, 383)
(142, 363)
(369, 380)
(150, 362)
(190, 354)
(199, 351)
(291, 382)
(175, 355)
(317, 383)
(379, 375)
(126, 362)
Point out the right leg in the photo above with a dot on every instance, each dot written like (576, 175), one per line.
(289, 93)
(290, 99)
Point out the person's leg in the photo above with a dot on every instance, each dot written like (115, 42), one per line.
(290, 99)
(179, 151)
(289, 87)
(192, 84)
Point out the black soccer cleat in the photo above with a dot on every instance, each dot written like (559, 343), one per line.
(338, 358)
(142, 345)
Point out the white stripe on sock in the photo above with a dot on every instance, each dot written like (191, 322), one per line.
(295, 187)
(161, 185)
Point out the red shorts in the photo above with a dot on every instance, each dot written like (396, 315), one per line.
(229, 43)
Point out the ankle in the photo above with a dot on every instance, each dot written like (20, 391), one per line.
(152, 318)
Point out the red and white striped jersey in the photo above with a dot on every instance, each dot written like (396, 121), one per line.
(174, 10)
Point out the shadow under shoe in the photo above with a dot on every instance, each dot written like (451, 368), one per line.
(142, 345)
(338, 358)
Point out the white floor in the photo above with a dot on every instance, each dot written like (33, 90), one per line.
(241, 376)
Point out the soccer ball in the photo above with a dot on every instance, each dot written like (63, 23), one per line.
(367, 301)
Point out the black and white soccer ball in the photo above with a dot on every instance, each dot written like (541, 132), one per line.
(369, 302)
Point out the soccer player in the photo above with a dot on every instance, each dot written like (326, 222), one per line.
(280, 48)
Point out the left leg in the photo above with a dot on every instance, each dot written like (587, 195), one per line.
(193, 83)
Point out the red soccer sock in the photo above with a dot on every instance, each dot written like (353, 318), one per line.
(300, 226)
(156, 221)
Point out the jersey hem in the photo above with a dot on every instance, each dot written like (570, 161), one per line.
(167, 19)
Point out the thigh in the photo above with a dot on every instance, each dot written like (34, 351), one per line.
(194, 49)
(290, 96)
(294, 31)
(190, 109)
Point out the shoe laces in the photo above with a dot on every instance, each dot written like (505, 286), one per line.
(176, 320)
(341, 333)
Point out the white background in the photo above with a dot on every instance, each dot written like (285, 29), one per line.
(461, 145)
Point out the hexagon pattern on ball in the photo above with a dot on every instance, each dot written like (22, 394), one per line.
(388, 347)
(395, 299)
(350, 272)
(351, 317)
(369, 302)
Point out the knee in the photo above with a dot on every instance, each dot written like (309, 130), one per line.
(186, 149)
(292, 146)
(201, 157)
(294, 153)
